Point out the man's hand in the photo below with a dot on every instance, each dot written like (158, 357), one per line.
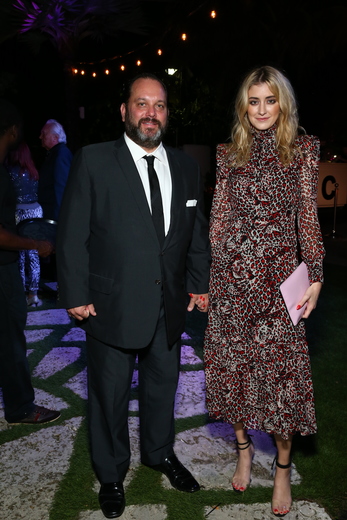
(200, 300)
(14, 242)
(44, 248)
(82, 313)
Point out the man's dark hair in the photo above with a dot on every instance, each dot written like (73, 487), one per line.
(9, 116)
(143, 75)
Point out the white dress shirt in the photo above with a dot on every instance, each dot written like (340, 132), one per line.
(161, 166)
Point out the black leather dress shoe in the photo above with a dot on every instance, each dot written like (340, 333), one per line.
(111, 499)
(178, 475)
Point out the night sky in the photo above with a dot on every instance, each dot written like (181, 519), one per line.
(305, 39)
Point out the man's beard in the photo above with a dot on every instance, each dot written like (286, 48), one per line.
(142, 139)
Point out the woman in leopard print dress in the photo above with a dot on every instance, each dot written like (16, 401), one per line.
(263, 214)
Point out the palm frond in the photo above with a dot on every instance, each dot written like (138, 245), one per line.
(66, 22)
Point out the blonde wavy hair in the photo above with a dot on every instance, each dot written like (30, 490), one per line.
(287, 122)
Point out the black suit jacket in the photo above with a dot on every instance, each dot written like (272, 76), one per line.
(52, 180)
(108, 253)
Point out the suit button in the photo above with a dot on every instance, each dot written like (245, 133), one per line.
(158, 282)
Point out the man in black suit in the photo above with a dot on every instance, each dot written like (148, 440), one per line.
(132, 241)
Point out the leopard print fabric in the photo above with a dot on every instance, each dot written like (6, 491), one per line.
(257, 363)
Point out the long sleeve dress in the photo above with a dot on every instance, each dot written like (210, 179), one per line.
(263, 217)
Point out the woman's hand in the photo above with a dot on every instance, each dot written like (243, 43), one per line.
(198, 300)
(310, 297)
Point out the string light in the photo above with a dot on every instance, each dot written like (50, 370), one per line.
(184, 37)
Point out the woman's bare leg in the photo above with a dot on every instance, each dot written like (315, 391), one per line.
(282, 498)
(242, 475)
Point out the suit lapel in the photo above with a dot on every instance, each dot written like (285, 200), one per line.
(128, 168)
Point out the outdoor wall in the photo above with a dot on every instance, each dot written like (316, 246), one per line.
(202, 154)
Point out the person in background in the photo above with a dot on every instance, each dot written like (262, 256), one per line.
(132, 242)
(263, 221)
(18, 393)
(24, 175)
(55, 169)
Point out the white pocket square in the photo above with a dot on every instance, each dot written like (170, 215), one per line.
(192, 202)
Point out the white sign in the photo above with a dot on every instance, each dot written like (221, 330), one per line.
(331, 174)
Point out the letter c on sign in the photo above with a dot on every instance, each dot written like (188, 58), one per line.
(331, 195)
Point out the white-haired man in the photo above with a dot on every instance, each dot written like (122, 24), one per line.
(55, 170)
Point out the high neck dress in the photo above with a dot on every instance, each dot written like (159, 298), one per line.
(263, 221)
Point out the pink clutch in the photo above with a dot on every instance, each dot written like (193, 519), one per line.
(293, 289)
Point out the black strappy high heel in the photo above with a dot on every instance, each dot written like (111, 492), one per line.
(245, 445)
(273, 470)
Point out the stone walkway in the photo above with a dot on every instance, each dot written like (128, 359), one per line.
(28, 483)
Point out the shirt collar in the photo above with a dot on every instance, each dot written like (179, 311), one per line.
(138, 153)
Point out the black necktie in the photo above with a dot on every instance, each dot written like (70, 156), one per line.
(156, 201)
